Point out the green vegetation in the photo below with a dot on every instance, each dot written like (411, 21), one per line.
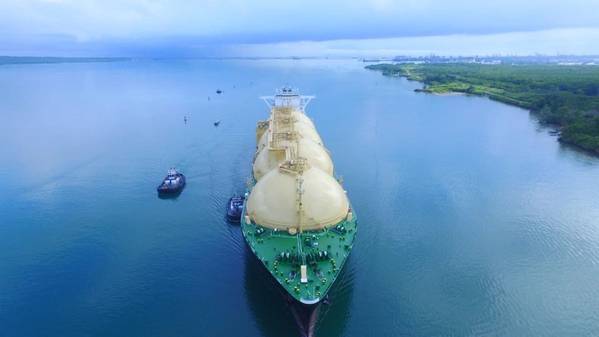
(567, 96)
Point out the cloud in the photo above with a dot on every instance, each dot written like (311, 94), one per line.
(554, 41)
(95, 23)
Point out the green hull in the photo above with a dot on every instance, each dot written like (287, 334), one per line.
(324, 252)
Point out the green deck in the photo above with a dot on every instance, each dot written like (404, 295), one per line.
(323, 251)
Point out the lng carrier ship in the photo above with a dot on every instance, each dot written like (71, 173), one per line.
(297, 219)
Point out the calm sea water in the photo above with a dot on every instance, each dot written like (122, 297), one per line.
(473, 219)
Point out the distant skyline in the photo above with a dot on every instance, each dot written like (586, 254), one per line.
(161, 28)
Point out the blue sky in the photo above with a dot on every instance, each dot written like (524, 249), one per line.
(303, 28)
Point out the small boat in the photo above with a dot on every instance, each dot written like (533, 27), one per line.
(173, 183)
(217, 123)
(218, 91)
(235, 208)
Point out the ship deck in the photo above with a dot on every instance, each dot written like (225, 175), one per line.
(324, 252)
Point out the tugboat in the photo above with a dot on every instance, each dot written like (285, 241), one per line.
(172, 184)
(234, 209)
(217, 123)
(297, 219)
(218, 91)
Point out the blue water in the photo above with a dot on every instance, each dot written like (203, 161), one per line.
(473, 219)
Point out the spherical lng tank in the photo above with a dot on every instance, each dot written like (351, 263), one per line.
(302, 118)
(275, 201)
(315, 154)
(300, 124)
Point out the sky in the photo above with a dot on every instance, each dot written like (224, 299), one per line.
(164, 28)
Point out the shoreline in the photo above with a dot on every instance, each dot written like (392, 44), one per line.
(448, 93)
(575, 130)
(558, 127)
(24, 60)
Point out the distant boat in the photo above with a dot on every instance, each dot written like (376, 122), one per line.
(217, 123)
(173, 183)
(218, 91)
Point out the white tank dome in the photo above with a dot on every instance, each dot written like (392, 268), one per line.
(302, 129)
(267, 160)
(302, 118)
(263, 140)
(305, 131)
(315, 154)
(273, 200)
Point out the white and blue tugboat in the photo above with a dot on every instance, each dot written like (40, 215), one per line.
(172, 184)
(235, 208)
